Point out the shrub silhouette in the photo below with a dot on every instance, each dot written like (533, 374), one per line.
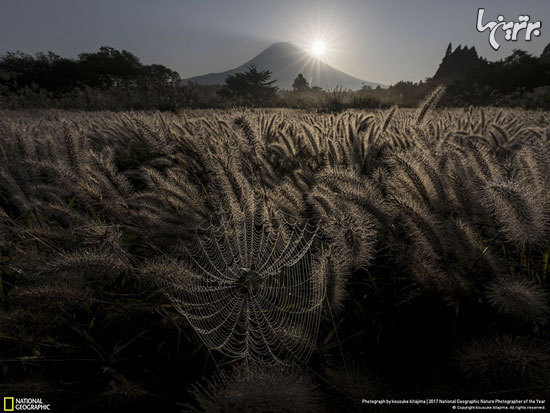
(300, 84)
(253, 86)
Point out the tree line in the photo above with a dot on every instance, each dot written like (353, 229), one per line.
(104, 69)
(117, 80)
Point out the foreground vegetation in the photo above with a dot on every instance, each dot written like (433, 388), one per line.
(429, 250)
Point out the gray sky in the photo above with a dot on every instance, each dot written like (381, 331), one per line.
(376, 40)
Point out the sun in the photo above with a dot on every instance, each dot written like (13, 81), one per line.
(318, 48)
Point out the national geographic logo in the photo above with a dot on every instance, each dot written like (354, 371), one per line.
(13, 404)
(8, 404)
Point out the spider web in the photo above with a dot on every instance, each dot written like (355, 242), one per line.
(249, 291)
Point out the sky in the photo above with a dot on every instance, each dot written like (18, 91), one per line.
(382, 41)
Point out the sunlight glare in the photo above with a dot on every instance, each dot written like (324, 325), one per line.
(318, 48)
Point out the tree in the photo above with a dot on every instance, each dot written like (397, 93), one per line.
(300, 83)
(253, 85)
(545, 56)
(44, 71)
(104, 69)
(109, 67)
(160, 74)
(449, 50)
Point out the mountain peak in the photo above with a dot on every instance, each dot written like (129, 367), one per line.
(282, 45)
(286, 60)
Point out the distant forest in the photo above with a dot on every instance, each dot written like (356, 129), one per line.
(117, 80)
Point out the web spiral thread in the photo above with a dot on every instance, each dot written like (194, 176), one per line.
(249, 291)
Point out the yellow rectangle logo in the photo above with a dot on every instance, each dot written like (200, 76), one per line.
(8, 404)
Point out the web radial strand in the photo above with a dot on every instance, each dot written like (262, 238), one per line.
(249, 290)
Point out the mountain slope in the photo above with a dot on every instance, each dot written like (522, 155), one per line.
(286, 60)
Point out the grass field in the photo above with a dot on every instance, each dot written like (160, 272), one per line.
(216, 257)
